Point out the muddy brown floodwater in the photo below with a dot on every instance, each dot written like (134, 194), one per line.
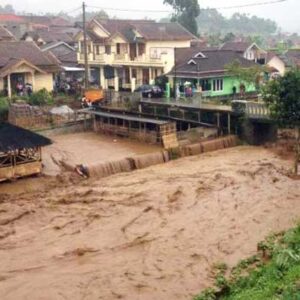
(149, 234)
(78, 148)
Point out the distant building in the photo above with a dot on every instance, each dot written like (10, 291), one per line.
(285, 61)
(250, 51)
(18, 25)
(24, 62)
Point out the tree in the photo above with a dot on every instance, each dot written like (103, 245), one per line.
(101, 14)
(282, 96)
(7, 9)
(229, 37)
(211, 20)
(251, 75)
(186, 12)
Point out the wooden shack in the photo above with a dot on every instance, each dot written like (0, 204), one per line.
(20, 152)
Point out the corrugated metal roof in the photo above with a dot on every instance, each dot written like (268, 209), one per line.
(13, 137)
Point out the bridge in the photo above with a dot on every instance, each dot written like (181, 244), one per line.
(257, 125)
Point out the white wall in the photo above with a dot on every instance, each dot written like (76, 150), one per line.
(278, 64)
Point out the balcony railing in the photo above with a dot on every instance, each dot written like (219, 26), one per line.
(120, 58)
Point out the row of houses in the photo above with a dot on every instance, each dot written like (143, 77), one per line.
(122, 54)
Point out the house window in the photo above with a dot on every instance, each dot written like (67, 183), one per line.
(205, 85)
(97, 48)
(89, 49)
(107, 49)
(141, 48)
(127, 75)
(218, 85)
(118, 48)
(82, 47)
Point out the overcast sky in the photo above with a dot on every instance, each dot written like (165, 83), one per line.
(286, 14)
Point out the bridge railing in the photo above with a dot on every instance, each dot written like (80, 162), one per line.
(257, 110)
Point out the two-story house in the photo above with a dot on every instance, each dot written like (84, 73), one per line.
(123, 54)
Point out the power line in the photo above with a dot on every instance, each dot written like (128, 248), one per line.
(252, 4)
(130, 10)
(169, 11)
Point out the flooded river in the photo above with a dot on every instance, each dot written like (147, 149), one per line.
(149, 234)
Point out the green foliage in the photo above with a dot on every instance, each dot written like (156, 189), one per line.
(252, 75)
(186, 12)
(208, 294)
(283, 98)
(258, 278)
(4, 106)
(42, 97)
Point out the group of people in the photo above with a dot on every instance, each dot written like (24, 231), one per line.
(24, 89)
(187, 90)
(68, 87)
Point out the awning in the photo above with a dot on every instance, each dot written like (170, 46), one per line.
(73, 69)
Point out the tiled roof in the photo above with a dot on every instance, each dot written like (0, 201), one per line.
(163, 31)
(213, 63)
(49, 36)
(13, 137)
(42, 20)
(116, 25)
(236, 46)
(148, 29)
(5, 34)
(27, 51)
(10, 18)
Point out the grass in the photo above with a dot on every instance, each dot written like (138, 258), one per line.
(272, 274)
(4, 106)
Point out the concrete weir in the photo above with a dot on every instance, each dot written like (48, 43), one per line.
(146, 160)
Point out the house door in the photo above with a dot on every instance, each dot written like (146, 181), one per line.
(133, 53)
(146, 76)
(15, 79)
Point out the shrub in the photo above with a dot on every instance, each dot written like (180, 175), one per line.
(42, 97)
(4, 106)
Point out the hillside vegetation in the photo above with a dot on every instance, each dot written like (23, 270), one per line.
(274, 273)
(211, 21)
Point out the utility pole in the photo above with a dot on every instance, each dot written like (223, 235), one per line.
(175, 75)
(86, 62)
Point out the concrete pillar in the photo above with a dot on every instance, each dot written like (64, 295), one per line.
(150, 75)
(33, 82)
(133, 84)
(218, 120)
(130, 74)
(9, 86)
(199, 116)
(116, 80)
(102, 78)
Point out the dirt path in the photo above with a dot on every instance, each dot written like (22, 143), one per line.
(150, 234)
